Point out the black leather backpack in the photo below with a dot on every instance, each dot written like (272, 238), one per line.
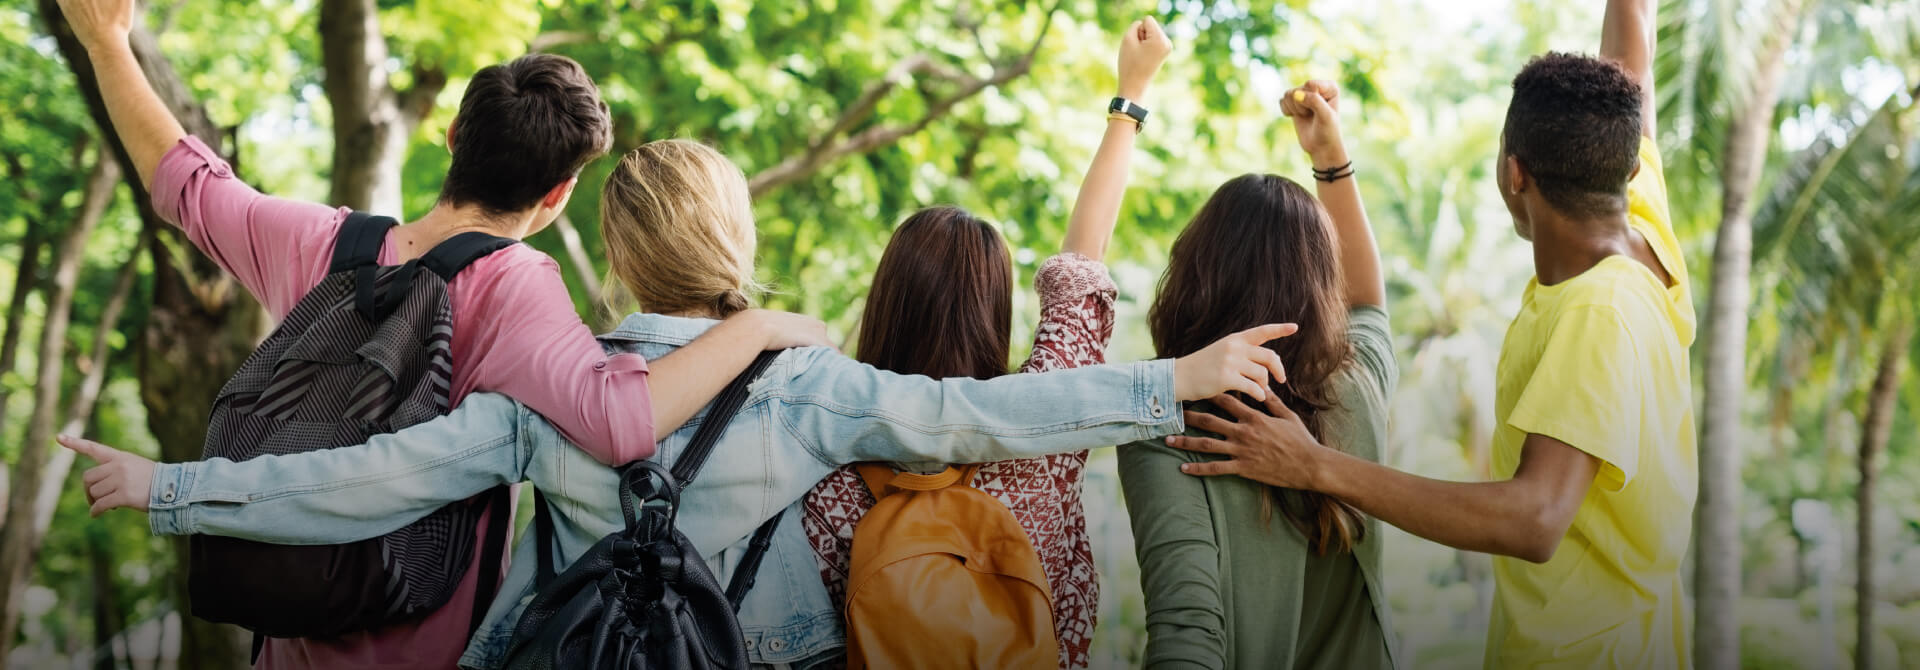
(642, 597)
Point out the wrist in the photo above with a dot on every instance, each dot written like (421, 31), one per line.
(1134, 92)
(1327, 158)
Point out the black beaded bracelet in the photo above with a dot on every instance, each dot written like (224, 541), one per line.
(1331, 178)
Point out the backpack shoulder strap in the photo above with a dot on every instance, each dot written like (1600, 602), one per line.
(359, 242)
(448, 258)
(749, 567)
(725, 405)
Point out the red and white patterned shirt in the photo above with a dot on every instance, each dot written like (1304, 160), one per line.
(1076, 322)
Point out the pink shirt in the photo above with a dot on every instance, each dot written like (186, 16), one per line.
(515, 332)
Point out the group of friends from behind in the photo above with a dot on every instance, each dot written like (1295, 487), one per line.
(1249, 450)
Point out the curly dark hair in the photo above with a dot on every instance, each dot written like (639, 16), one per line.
(1574, 125)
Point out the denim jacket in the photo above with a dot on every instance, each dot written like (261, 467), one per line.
(811, 412)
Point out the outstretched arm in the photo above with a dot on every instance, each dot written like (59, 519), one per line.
(145, 126)
(1315, 111)
(1142, 49)
(1524, 517)
(1627, 38)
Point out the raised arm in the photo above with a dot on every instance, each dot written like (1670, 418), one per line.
(1315, 111)
(1143, 48)
(145, 126)
(1627, 38)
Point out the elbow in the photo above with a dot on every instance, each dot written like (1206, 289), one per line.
(1536, 539)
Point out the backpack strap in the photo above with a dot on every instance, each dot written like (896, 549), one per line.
(361, 237)
(499, 506)
(725, 405)
(749, 567)
(545, 545)
(879, 476)
(454, 254)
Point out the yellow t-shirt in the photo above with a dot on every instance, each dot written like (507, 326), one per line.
(1600, 362)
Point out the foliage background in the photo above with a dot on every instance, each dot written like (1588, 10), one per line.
(765, 81)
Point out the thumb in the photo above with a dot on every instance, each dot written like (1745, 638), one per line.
(1318, 103)
(1136, 32)
(1269, 332)
(1150, 29)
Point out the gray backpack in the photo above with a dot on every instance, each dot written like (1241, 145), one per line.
(365, 352)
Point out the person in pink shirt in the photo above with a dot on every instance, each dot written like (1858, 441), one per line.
(523, 131)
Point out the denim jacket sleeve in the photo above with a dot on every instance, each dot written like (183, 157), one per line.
(844, 411)
(352, 493)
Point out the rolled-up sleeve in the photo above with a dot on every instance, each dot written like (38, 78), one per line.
(277, 248)
(528, 342)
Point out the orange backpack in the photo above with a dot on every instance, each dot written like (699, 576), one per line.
(942, 576)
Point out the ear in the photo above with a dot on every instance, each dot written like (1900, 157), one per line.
(557, 197)
(451, 125)
(1635, 172)
(1518, 181)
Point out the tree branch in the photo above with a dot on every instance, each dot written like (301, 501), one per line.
(830, 146)
(558, 38)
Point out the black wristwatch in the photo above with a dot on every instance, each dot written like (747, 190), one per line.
(1127, 107)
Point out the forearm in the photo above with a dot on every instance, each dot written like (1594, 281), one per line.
(348, 493)
(1097, 208)
(1627, 38)
(1500, 517)
(687, 380)
(142, 121)
(1353, 233)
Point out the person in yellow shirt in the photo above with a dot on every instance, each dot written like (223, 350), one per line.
(1594, 446)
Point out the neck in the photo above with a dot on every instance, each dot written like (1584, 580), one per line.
(696, 314)
(445, 221)
(1565, 247)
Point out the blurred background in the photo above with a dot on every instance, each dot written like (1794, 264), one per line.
(1789, 128)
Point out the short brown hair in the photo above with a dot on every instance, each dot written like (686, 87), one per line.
(524, 127)
(942, 299)
(1262, 251)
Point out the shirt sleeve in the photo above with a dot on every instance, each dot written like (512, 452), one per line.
(277, 248)
(1076, 313)
(1173, 536)
(1585, 392)
(530, 344)
(1372, 340)
(1649, 213)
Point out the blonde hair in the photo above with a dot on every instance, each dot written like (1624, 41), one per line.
(678, 225)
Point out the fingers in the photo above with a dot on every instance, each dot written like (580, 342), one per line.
(1325, 89)
(100, 453)
(1211, 468)
(1279, 409)
(1238, 409)
(1252, 380)
(1268, 333)
(100, 489)
(1150, 31)
(1137, 31)
(1320, 106)
(1204, 445)
(1271, 361)
(1211, 424)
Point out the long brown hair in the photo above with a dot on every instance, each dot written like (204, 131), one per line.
(1261, 251)
(942, 299)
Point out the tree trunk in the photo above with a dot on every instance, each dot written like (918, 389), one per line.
(107, 618)
(80, 410)
(25, 276)
(582, 264)
(18, 542)
(1873, 440)
(1717, 562)
(372, 122)
(200, 325)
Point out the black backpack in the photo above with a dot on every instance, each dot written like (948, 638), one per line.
(642, 597)
(366, 352)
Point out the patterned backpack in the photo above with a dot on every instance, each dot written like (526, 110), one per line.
(365, 352)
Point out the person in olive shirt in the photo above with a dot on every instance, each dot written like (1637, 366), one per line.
(1594, 446)
(1237, 573)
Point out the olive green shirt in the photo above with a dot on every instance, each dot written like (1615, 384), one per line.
(1228, 589)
